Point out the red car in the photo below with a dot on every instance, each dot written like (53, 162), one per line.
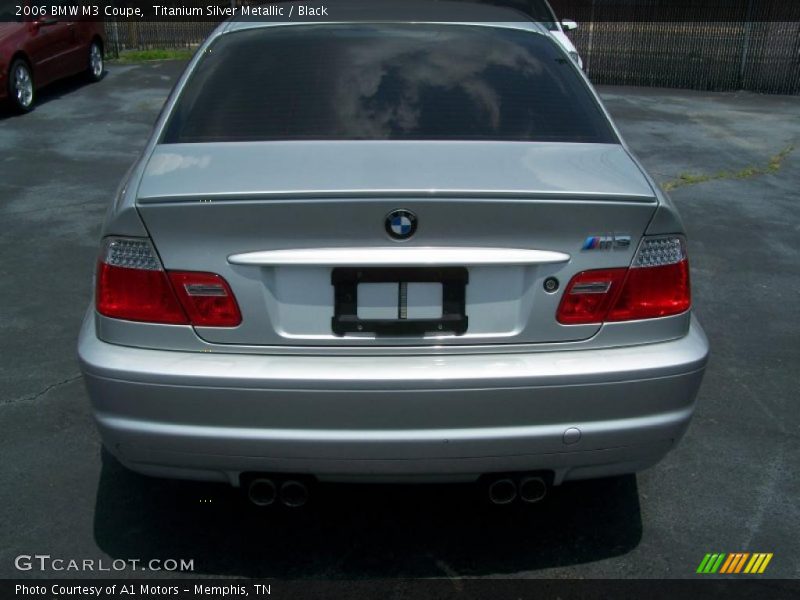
(36, 51)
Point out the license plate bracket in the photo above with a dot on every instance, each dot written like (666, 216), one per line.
(345, 281)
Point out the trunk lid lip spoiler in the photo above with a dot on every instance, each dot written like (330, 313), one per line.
(419, 194)
(389, 256)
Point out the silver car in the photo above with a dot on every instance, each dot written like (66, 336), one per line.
(386, 251)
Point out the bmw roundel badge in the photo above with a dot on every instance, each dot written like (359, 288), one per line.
(401, 224)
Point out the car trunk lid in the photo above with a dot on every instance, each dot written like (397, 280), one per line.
(281, 221)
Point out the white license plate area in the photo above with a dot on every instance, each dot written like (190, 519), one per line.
(400, 300)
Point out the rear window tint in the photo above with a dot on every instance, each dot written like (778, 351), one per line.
(538, 10)
(385, 82)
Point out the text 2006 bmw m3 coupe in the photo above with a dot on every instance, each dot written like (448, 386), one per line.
(389, 251)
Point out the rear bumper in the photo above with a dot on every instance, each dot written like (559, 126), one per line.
(450, 417)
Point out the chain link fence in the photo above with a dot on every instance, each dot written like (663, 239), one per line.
(145, 35)
(749, 50)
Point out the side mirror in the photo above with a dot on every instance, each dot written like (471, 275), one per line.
(569, 25)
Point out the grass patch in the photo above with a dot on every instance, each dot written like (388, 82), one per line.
(773, 166)
(776, 162)
(137, 56)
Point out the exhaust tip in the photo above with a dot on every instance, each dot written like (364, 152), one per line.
(502, 491)
(262, 492)
(532, 489)
(293, 493)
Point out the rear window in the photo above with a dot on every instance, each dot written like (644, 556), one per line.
(538, 10)
(369, 81)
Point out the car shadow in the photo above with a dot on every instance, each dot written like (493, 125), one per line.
(363, 531)
(50, 92)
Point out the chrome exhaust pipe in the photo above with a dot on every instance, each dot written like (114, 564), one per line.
(262, 491)
(293, 493)
(502, 491)
(532, 489)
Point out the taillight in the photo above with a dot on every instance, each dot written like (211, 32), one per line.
(658, 281)
(589, 295)
(206, 298)
(132, 285)
(655, 285)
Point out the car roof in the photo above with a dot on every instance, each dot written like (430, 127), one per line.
(423, 11)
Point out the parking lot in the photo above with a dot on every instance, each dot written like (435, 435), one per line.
(732, 485)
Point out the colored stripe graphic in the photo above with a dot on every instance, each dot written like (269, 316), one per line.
(734, 563)
(703, 563)
(741, 562)
(711, 563)
(755, 562)
(727, 564)
(765, 563)
(758, 563)
(716, 565)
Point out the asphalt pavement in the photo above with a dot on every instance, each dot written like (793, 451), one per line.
(732, 485)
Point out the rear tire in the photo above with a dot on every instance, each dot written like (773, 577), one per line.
(20, 86)
(95, 70)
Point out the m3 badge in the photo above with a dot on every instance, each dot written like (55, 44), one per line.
(607, 242)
